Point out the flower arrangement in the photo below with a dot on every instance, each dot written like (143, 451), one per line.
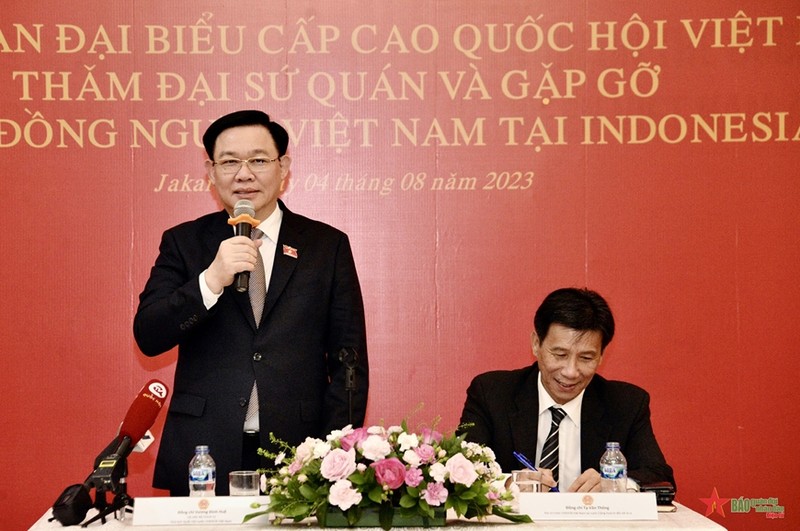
(397, 472)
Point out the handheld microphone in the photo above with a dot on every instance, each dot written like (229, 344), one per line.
(243, 222)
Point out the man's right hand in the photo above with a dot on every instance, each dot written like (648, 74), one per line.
(543, 476)
(234, 255)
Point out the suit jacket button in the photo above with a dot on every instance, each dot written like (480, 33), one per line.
(257, 356)
(242, 402)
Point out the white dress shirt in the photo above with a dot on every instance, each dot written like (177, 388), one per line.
(569, 436)
(569, 439)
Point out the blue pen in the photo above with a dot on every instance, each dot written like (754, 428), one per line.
(524, 461)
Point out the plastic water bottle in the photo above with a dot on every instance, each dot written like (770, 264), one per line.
(613, 469)
(202, 473)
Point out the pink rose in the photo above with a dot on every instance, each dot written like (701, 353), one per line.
(343, 495)
(426, 453)
(435, 494)
(354, 438)
(461, 470)
(413, 477)
(338, 464)
(390, 472)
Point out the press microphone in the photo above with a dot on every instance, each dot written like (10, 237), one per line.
(140, 417)
(110, 466)
(243, 221)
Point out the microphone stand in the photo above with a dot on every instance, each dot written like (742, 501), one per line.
(112, 479)
(349, 357)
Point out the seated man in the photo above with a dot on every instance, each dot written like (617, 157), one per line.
(510, 411)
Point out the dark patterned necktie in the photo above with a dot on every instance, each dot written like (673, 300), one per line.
(550, 449)
(258, 293)
(258, 285)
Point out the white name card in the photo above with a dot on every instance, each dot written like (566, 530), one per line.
(189, 510)
(589, 505)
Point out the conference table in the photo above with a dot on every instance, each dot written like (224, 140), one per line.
(683, 518)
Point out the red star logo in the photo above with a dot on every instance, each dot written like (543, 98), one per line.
(714, 503)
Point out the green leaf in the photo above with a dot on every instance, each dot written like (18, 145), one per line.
(308, 492)
(295, 510)
(468, 495)
(322, 513)
(512, 517)
(425, 509)
(353, 515)
(376, 494)
(250, 516)
(460, 506)
(357, 478)
(407, 501)
(386, 515)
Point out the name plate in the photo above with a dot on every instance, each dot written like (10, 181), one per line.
(189, 510)
(588, 506)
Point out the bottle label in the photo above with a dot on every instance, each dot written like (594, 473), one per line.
(201, 474)
(615, 471)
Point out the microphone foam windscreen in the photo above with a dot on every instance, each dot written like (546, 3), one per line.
(243, 206)
(144, 410)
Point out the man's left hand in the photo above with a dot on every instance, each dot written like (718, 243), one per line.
(589, 481)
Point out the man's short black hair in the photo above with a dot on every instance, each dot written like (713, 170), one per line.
(580, 309)
(247, 117)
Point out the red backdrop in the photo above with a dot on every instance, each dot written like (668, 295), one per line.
(479, 155)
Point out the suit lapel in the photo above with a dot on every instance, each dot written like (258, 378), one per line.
(524, 420)
(594, 426)
(288, 252)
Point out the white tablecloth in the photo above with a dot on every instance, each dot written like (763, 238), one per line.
(684, 519)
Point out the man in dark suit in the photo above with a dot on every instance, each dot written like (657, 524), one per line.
(510, 410)
(237, 379)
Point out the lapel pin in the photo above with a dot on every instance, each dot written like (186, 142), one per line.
(288, 250)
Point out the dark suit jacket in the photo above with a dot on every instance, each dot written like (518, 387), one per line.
(312, 310)
(504, 408)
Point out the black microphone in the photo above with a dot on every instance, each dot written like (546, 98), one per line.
(243, 221)
(349, 357)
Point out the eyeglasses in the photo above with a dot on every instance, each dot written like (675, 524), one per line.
(255, 164)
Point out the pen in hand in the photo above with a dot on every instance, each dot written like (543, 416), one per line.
(524, 461)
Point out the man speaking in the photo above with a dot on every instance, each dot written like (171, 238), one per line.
(265, 357)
